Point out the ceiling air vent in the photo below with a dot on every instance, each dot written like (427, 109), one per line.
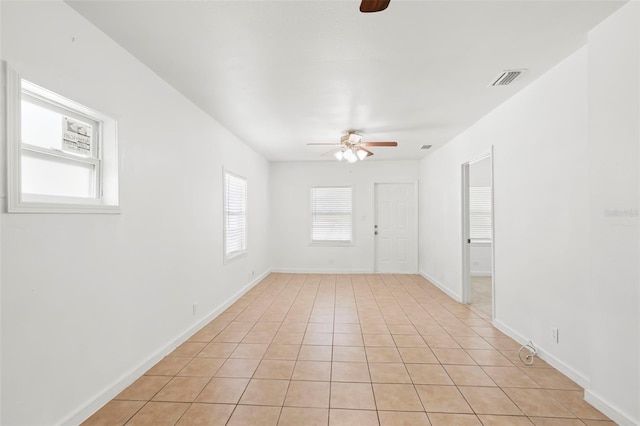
(426, 146)
(506, 77)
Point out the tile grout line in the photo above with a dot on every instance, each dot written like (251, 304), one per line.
(368, 366)
(254, 372)
(238, 344)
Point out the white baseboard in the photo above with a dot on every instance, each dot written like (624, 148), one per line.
(321, 271)
(106, 395)
(481, 273)
(441, 286)
(609, 410)
(559, 365)
(574, 375)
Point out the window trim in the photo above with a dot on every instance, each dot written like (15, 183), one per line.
(242, 252)
(107, 190)
(330, 243)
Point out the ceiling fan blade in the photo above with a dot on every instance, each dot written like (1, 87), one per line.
(368, 6)
(379, 144)
(324, 144)
(369, 153)
(331, 152)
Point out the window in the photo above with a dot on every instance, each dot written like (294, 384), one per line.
(235, 215)
(480, 213)
(62, 156)
(331, 214)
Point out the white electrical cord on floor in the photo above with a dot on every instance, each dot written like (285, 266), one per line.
(528, 358)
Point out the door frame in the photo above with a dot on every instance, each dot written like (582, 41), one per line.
(465, 245)
(415, 220)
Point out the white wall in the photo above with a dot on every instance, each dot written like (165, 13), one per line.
(541, 205)
(291, 212)
(89, 301)
(480, 257)
(559, 262)
(480, 172)
(614, 138)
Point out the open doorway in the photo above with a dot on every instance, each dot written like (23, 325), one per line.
(478, 285)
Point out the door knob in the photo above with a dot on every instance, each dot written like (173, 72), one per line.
(375, 233)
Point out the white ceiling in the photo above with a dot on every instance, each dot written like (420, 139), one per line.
(280, 74)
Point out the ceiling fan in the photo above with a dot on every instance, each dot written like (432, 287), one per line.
(368, 6)
(351, 147)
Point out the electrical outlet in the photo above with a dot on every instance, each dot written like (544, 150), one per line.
(555, 334)
(195, 309)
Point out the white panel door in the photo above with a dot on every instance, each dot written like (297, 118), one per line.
(395, 228)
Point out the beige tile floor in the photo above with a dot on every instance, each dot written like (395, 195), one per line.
(349, 350)
(481, 295)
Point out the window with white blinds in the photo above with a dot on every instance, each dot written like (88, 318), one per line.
(331, 214)
(235, 215)
(480, 213)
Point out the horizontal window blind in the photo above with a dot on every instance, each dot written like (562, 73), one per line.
(331, 214)
(480, 213)
(235, 214)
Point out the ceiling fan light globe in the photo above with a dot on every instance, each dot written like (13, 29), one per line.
(361, 154)
(339, 155)
(350, 156)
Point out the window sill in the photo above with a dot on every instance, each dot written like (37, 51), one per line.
(480, 243)
(49, 207)
(233, 256)
(331, 244)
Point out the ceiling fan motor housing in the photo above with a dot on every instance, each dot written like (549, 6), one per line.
(351, 138)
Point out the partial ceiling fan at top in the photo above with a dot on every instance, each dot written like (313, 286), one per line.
(368, 6)
(351, 147)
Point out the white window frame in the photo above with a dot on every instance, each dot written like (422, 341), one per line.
(330, 243)
(106, 198)
(243, 250)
